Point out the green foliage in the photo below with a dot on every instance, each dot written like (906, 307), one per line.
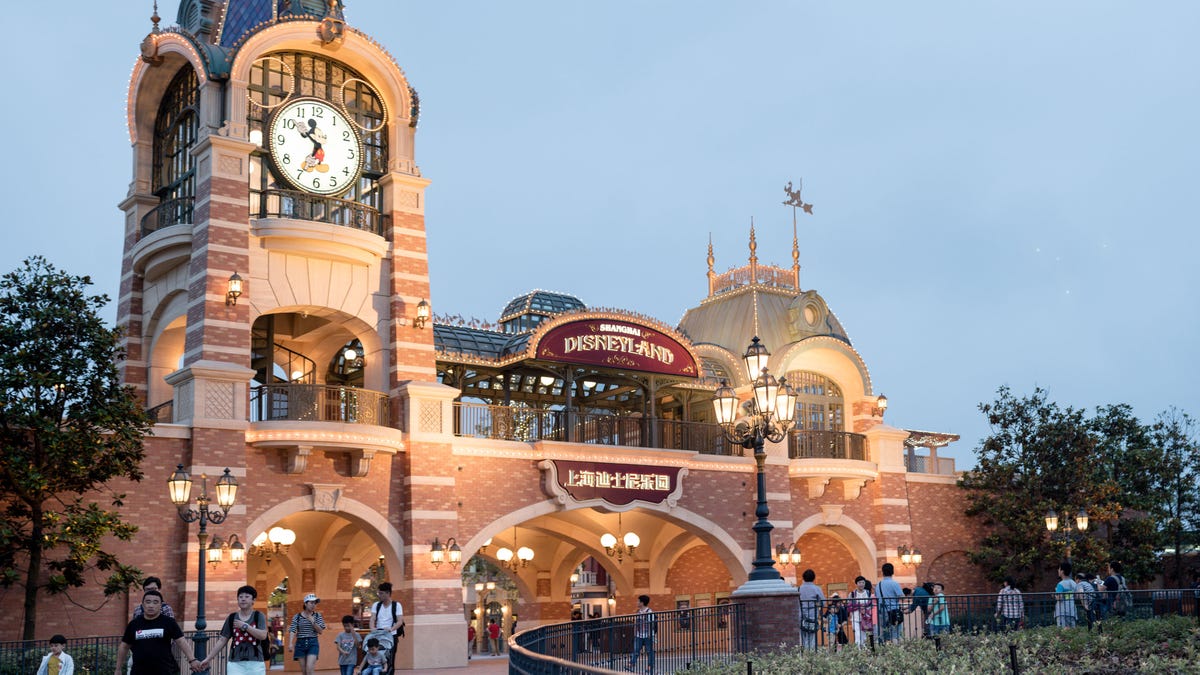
(1164, 645)
(1175, 433)
(1042, 456)
(67, 427)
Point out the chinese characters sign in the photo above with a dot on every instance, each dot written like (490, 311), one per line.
(617, 484)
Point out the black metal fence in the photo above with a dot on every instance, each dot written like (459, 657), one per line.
(90, 655)
(678, 640)
(806, 444)
(865, 621)
(178, 211)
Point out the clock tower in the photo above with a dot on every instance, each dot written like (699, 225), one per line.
(275, 295)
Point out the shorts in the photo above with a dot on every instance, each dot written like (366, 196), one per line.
(306, 647)
(246, 668)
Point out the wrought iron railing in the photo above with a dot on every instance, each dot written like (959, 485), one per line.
(90, 655)
(318, 403)
(171, 212)
(331, 210)
(680, 639)
(513, 423)
(163, 413)
(808, 444)
(923, 464)
(880, 619)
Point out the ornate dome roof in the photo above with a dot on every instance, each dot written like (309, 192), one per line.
(777, 316)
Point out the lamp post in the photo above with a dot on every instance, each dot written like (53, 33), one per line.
(772, 408)
(179, 486)
(1067, 533)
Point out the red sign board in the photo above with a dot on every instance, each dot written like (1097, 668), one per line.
(617, 484)
(616, 344)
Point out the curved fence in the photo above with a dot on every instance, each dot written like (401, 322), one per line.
(678, 640)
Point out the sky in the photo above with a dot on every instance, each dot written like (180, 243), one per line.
(1003, 191)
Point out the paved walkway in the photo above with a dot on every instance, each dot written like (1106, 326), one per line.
(479, 665)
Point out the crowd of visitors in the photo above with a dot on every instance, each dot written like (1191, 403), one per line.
(885, 612)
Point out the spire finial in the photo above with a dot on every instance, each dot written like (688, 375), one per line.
(753, 254)
(154, 18)
(795, 253)
(712, 276)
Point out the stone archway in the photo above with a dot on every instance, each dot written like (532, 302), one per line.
(845, 532)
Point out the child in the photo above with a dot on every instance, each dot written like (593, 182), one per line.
(347, 645)
(57, 662)
(939, 614)
(835, 613)
(374, 660)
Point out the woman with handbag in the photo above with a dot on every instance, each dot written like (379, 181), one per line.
(861, 604)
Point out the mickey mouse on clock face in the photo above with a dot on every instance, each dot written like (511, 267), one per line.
(316, 160)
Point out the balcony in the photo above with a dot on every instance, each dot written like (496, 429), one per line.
(164, 238)
(288, 221)
(301, 418)
(940, 466)
(297, 205)
(805, 444)
(822, 458)
(477, 420)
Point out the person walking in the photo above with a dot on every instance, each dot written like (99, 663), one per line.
(811, 601)
(347, 646)
(920, 601)
(862, 610)
(245, 628)
(304, 632)
(57, 661)
(643, 634)
(493, 631)
(1085, 591)
(148, 638)
(890, 594)
(387, 614)
(939, 613)
(1010, 606)
(1064, 597)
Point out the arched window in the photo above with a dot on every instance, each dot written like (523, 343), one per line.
(175, 130)
(276, 76)
(819, 403)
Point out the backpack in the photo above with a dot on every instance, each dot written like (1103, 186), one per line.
(1123, 603)
(399, 629)
(264, 645)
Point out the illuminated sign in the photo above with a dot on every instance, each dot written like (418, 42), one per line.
(616, 344)
(616, 484)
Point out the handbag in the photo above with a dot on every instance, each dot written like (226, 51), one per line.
(808, 625)
(841, 635)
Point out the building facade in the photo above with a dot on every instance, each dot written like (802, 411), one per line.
(275, 290)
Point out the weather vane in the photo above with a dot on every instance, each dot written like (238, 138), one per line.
(794, 199)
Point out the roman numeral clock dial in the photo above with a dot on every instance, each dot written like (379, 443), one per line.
(314, 147)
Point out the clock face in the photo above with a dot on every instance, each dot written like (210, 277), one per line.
(314, 147)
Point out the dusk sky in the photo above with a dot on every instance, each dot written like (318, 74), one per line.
(1003, 191)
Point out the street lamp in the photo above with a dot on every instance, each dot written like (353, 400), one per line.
(910, 556)
(1068, 532)
(179, 486)
(772, 409)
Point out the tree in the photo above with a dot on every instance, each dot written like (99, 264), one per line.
(1175, 435)
(67, 428)
(1042, 456)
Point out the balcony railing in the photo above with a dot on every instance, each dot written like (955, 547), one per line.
(943, 466)
(318, 403)
(163, 413)
(806, 444)
(171, 212)
(477, 420)
(331, 210)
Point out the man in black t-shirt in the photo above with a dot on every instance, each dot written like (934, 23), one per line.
(149, 637)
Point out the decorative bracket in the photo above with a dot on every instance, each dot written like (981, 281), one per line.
(816, 486)
(360, 462)
(852, 487)
(297, 458)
